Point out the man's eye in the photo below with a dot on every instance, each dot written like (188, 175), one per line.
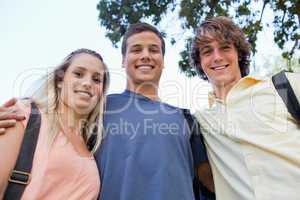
(226, 47)
(205, 51)
(154, 50)
(135, 50)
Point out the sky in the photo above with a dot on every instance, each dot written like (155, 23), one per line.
(35, 36)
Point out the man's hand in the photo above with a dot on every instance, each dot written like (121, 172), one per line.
(9, 116)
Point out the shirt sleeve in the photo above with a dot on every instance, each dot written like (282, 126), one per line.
(197, 143)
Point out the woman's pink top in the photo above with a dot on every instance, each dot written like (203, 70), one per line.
(60, 173)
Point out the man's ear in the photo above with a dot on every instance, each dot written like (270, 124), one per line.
(123, 60)
(163, 62)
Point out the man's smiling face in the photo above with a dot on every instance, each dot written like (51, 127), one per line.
(219, 61)
(143, 59)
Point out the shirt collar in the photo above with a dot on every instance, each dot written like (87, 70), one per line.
(137, 95)
(212, 99)
(133, 94)
(243, 83)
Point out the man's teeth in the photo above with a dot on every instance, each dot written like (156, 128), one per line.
(146, 67)
(220, 67)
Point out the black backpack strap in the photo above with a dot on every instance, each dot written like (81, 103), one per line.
(287, 94)
(20, 176)
(196, 134)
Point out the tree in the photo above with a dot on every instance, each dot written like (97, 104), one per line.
(116, 15)
(278, 63)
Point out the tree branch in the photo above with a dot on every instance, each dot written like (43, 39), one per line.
(262, 11)
(294, 47)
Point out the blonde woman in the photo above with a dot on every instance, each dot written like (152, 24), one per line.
(71, 102)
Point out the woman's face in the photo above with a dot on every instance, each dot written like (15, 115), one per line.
(82, 85)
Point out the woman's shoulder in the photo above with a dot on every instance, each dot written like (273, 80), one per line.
(23, 107)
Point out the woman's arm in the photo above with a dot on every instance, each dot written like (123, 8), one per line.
(10, 144)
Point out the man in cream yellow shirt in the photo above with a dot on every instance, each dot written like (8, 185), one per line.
(253, 142)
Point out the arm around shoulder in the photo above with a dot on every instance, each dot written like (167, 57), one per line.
(9, 114)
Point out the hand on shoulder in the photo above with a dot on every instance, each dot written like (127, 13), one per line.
(9, 114)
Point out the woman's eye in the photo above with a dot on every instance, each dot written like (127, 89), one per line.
(97, 80)
(77, 74)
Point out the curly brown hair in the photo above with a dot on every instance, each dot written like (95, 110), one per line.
(223, 29)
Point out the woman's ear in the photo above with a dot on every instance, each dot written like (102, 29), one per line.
(59, 85)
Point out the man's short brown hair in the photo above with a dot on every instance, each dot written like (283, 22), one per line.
(222, 29)
(139, 28)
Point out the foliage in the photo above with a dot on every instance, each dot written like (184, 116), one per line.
(275, 64)
(116, 15)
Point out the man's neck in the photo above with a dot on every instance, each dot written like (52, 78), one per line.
(150, 91)
(222, 91)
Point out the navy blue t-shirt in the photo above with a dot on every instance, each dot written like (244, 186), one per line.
(145, 152)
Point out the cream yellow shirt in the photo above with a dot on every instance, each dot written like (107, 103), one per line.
(253, 142)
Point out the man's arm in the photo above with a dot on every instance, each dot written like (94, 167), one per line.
(201, 162)
(205, 175)
(9, 116)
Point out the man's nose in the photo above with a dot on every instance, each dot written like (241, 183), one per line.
(145, 54)
(217, 55)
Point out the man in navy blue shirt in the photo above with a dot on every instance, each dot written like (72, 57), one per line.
(146, 151)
